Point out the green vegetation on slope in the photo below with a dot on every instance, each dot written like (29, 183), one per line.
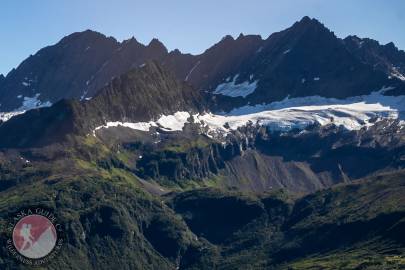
(111, 221)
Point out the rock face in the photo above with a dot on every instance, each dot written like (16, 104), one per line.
(58, 71)
(143, 94)
(260, 160)
(76, 67)
(305, 59)
(222, 59)
(140, 95)
(323, 222)
(386, 58)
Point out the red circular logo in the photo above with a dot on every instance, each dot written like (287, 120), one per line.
(34, 236)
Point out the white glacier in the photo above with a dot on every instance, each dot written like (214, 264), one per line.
(353, 113)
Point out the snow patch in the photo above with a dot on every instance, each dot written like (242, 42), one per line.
(29, 103)
(173, 122)
(143, 126)
(192, 69)
(232, 89)
(82, 97)
(5, 116)
(33, 102)
(397, 74)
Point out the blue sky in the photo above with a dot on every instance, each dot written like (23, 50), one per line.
(190, 25)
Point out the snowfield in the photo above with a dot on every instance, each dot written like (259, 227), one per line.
(5, 116)
(352, 113)
(29, 103)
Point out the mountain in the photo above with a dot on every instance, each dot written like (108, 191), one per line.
(142, 94)
(386, 58)
(148, 113)
(306, 59)
(225, 57)
(58, 71)
(76, 67)
(278, 153)
(246, 70)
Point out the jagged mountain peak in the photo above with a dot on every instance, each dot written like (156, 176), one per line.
(85, 36)
(307, 21)
(175, 52)
(370, 42)
(157, 44)
(229, 40)
(391, 45)
(386, 58)
(241, 36)
(310, 27)
(131, 40)
(131, 44)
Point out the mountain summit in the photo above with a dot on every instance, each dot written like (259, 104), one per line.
(303, 60)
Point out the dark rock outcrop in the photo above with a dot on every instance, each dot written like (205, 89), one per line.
(386, 58)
